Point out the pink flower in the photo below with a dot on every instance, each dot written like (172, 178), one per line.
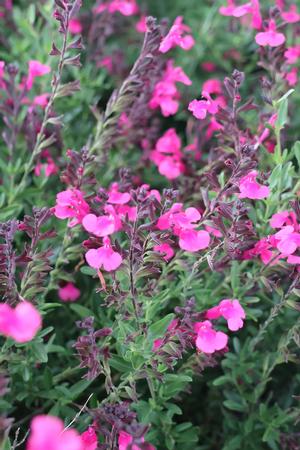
(252, 8)
(165, 94)
(116, 197)
(70, 204)
(104, 257)
(200, 108)
(209, 340)
(141, 25)
(177, 37)
(291, 16)
(193, 241)
(69, 293)
(49, 168)
(208, 66)
(167, 155)
(36, 69)
(292, 54)
(21, 323)
(227, 10)
(212, 86)
(270, 37)
(41, 100)
(231, 310)
(125, 439)
(89, 439)
(282, 218)
(47, 433)
(250, 188)
(75, 26)
(107, 62)
(100, 226)
(292, 77)
(164, 249)
(287, 240)
(125, 7)
(262, 249)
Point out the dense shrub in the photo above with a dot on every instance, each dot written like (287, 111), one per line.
(150, 225)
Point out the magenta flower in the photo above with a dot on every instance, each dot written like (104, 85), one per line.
(200, 108)
(193, 241)
(228, 9)
(70, 204)
(104, 257)
(125, 439)
(21, 323)
(100, 226)
(270, 37)
(47, 433)
(116, 197)
(75, 26)
(166, 95)
(47, 168)
(231, 310)
(287, 240)
(209, 340)
(177, 37)
(292, 77)
(141, 25)
(291, 16)
(36, 69)
(282, 218)
(292, 54)
(69, 293)
(89, 439)
(250, 188)
(167, 155)
(124, 7)
(262, 248)
(164, 249)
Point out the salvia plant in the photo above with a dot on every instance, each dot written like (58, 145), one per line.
(149, 225)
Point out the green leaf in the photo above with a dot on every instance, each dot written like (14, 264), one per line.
(82, 311)
(160, 327)
(40, 352)
(234, 406)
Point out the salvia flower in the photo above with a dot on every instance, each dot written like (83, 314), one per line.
(89, 439)
(250, 188)
(104, 257)
(125, 442)
(292, 54)
(292, 15)
(166, 95)
(124, 7)
(270, 37)
(168, 156)
(183, 224)
(21, 323)
(99, 226)
(69, 293)
(47, 433)
(231, 310)
(70, 204)
(209, 340)
(36, 69)
(200, 108)
(177, 36)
